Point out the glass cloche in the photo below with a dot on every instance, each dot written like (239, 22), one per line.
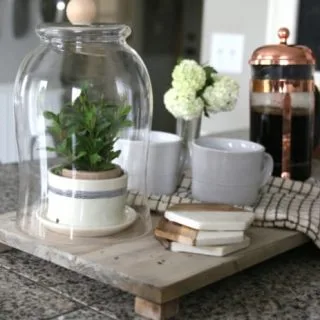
(83, 108)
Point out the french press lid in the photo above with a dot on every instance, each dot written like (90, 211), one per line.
(283, 53)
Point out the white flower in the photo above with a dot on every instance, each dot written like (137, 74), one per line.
(188, 75)
(222, 95)
(183, 105)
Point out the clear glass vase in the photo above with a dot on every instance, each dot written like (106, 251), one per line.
(188, 130)
(76, 96)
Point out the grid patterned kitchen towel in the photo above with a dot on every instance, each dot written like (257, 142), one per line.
(281, 203)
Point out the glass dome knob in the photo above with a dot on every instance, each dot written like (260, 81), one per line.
(81, 11)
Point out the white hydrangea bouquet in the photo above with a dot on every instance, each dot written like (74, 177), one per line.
(196, 89)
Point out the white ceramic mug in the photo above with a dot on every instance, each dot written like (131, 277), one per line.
(163, 162)
(229, 171)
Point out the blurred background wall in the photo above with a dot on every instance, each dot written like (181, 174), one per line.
(222, 33)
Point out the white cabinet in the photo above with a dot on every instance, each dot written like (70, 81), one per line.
(12, 51)
(8, 146)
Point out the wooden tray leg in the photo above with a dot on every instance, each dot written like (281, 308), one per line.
(4, 248)
(154, 311)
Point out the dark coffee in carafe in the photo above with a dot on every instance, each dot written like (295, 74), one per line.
(282, 104)
(266, 129)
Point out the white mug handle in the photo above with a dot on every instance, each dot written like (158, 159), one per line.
(267, 169)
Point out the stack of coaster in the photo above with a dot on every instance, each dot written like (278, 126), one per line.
(209, 229)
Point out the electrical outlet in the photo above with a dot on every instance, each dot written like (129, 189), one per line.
(227, 52)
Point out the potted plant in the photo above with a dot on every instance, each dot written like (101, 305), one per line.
(87, 190)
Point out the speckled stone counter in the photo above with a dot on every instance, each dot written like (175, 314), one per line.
(286, 287)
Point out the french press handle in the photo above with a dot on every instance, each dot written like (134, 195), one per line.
(316, 135)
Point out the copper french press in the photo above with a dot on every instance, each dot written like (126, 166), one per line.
(283, 110)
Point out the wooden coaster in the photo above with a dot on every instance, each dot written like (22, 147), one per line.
(176, 232)
(204, 207)
(210, 217)
(216, 251)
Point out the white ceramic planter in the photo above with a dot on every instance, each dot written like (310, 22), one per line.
(86, 203)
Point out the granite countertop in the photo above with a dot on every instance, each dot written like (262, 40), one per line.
(286, 287)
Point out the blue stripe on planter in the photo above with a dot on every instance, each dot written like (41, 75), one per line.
(88, 194)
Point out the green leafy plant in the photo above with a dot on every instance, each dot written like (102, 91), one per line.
(85, 131)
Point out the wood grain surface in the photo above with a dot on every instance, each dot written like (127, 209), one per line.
(143, 267)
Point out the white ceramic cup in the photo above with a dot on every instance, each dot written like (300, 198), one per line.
(163, 162)
(229, 171)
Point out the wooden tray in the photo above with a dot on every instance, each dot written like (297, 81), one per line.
(155, 276)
